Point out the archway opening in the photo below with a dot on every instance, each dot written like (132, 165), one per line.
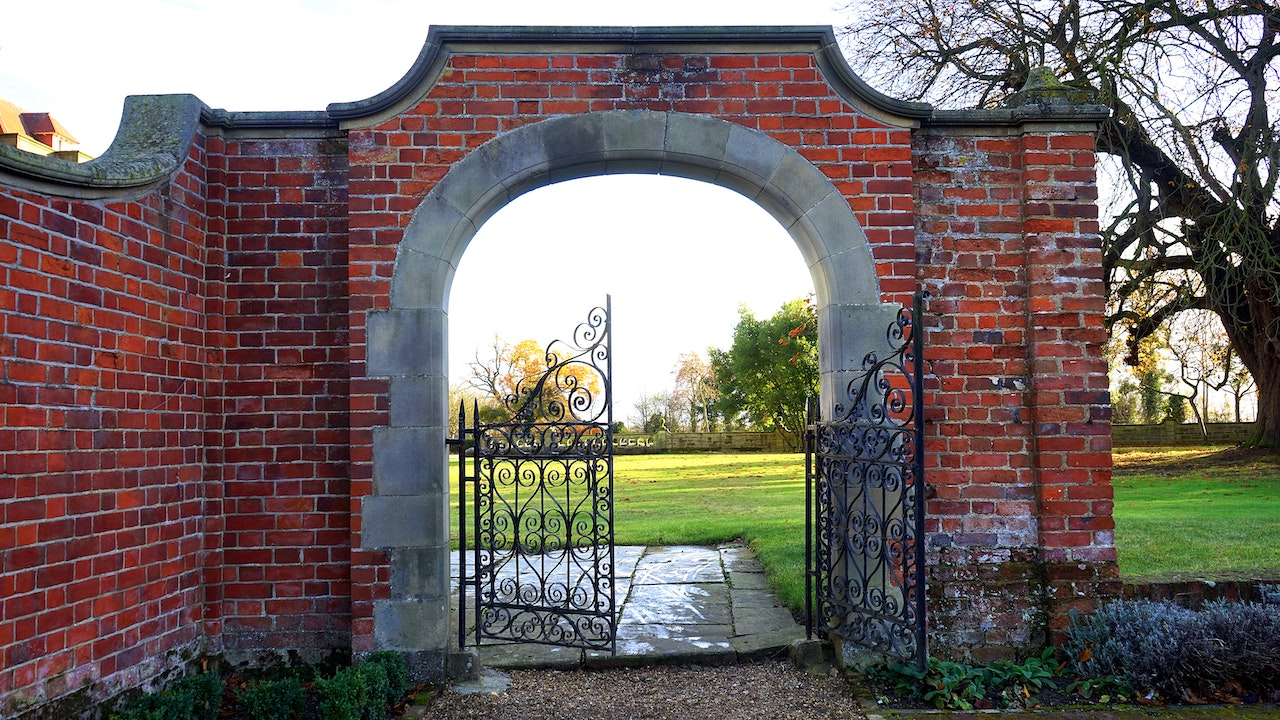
(679, 258)
(682, 260)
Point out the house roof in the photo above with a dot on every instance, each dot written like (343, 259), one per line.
(14, 120)
(45, 123)
(10, 118)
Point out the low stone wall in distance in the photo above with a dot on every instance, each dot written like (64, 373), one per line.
(1180, 434)
(669, 442)
(1195, 592)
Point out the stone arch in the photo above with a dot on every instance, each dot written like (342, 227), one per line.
(408, 511)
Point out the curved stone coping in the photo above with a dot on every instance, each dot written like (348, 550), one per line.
(1066, 113)
(269, 120)
(443, 40)
(152, 143)
(790, 188)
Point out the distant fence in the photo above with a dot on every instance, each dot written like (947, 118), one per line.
(1180, 434)
(747, 441)
(669, 442)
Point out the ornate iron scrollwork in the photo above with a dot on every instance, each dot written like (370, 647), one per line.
(542, 485)
(865, 470)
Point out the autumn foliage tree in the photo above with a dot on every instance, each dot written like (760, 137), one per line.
(1193, 87)
(507, 374)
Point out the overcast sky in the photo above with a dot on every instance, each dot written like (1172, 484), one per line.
(678, 256)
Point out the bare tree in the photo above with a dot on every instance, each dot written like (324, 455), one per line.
(696, 387)
(494, 371)
(1192, 86)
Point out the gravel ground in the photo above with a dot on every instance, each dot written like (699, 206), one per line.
(772, 690)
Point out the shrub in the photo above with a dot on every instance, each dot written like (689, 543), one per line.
(273, 700)
(343, 696)
(1148, 644)
(205, 693)
(194, 697)
(1245, 647)
(397, 674)
(374, 678)
(1167, 651)
(1270, 593)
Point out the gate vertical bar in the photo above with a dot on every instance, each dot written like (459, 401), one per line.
(462, 524)
(608, 440)
(808, 517)
(917, 392)
(476, 441)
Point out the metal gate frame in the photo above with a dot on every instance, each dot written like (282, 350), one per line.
(542, 493)
(865, 503)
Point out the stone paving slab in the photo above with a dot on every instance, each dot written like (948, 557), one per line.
(748, 580)
(636, 631)
(677, 604)
(680, 604)
(681, 564)
(652, 651)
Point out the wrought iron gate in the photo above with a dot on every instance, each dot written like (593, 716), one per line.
(865, 486)
(541, 484)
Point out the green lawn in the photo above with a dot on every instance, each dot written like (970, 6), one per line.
(711, 498)
(1179, 512)
(1197, 512)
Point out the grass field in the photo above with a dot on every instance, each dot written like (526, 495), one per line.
(1180, 512)
(706, 499)
(1197, 512)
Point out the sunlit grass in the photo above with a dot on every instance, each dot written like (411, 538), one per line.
(1197, 512)
(706, 499)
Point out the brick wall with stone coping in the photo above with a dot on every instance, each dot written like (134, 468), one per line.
(105, 310)
(195, 430)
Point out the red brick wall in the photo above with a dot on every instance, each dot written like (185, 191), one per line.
(1070, 401)
(188, 421)
(103, 375)
(278, 575)
(174, 446)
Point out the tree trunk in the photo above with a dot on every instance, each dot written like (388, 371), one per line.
(1267, 429)
(1264, 366)
(1261, 356)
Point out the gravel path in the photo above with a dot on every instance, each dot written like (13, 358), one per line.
(769, 690)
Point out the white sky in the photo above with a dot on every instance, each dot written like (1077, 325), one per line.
(678, 256)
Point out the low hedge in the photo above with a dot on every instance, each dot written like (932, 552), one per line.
(1169, 653)
(364, 691)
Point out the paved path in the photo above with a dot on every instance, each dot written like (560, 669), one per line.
(680, 604)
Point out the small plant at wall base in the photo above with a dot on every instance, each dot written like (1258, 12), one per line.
(194, 697)
(364, 691)
(272, 700)
(950, 685)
